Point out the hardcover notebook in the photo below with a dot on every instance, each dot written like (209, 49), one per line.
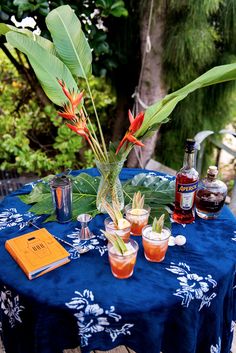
(37, 252)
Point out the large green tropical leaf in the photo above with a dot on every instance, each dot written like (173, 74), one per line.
(158, 193)
(47, 66)
(44, 42)
(160, 111)
(69, 39)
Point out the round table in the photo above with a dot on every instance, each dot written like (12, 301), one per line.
(184, 304)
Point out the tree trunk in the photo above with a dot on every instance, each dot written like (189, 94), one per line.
(151, 85)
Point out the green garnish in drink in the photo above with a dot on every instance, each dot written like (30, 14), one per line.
(116, 241)
(158, 225)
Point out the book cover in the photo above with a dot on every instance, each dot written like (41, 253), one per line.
(37, 252)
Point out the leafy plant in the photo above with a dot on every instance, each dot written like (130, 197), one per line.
(69, 57)
(33, 139)
(158, 194)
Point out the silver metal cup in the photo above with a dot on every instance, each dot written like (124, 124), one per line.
(61, 190)
(85, 233)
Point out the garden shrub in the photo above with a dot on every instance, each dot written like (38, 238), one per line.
(33, 138)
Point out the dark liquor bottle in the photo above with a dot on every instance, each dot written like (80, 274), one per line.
(186, 187)
(211, 195)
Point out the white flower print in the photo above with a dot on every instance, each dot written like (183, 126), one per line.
(114, 333)
(234, 239)
(98, 242)
(233, 325)
(216, 348)
(193, 286)
(92, 319)
(11, 306)
(11, 218)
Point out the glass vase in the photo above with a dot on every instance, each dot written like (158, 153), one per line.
(110, 187)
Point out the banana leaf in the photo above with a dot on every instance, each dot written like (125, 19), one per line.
(45, 43)
(47, 66)
(70, 41)
(73, 49)
(160, 111)
(158, 193)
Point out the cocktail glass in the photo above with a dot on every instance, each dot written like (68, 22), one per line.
(155, 244)
(111, 228)
(122, 266)
(138, 217)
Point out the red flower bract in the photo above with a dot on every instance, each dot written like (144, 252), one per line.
(135, 124)
(74, 98)
(80, 128)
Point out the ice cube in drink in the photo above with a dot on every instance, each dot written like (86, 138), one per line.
(155, 244)
(122, 266)
(111, 228)
(138, 218)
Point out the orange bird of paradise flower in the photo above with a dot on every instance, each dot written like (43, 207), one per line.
(135, 124)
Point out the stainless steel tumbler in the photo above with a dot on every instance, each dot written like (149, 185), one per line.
(61, 190)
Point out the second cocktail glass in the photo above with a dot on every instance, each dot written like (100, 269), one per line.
(155, 245)
(111, 228)
(122, 266)
(138, 217)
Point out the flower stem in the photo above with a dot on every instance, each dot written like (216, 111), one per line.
(98, 122)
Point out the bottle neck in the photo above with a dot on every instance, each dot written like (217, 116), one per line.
(189, 160)
(211, 177)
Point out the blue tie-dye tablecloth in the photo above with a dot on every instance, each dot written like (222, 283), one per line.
(185, 304)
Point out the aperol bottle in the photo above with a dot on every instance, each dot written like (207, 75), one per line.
(186, 187)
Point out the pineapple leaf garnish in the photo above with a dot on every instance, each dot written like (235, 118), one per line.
(158, 225)
(116, 241)
(138, 200)
(113, 211)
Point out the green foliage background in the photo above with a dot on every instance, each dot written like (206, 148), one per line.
(200, 35)
(34, 139)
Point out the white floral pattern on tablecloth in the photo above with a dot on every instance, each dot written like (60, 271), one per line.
(234, 238)
(216, 348)
(98, 242)
(11, 307)
(233, 325)
(193, 286)
(92, 319)
(10, 217)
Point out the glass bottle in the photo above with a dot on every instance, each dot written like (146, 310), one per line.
(186, 186)
(211, 195)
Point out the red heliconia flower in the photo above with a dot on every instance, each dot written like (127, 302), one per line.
(135, 124)
(74, 98)
(64, 88)
(80, 127)
(68, 113)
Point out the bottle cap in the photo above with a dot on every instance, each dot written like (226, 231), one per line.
(190, 145)
(212, 170)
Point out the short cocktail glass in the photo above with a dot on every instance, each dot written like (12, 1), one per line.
(138, 217)
(122, 266)
(111, 228)
(155, 244)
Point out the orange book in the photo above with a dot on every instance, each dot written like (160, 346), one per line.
(37, 252)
